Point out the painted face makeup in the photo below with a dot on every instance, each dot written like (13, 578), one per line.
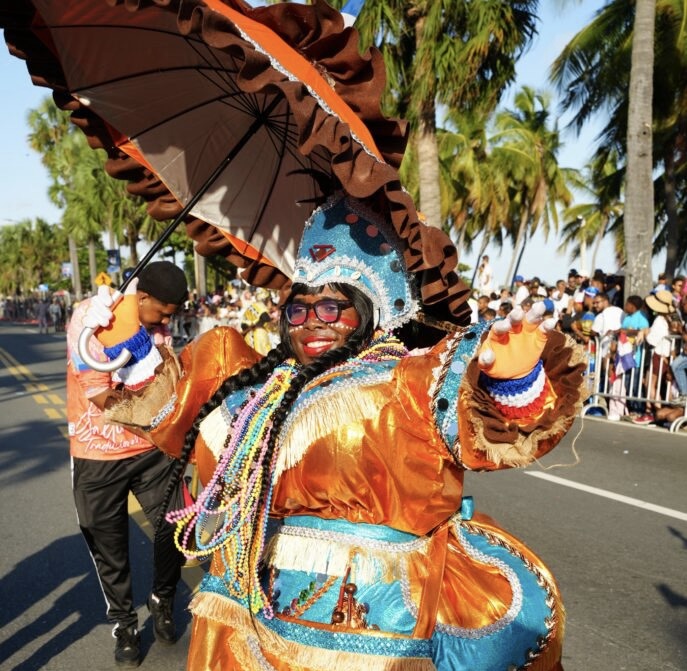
(320, 323)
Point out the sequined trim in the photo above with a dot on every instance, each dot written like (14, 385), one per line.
(474, 553)
(164, 411)
(254, 646)
(366, 642)
(417, 545)
(447, 377)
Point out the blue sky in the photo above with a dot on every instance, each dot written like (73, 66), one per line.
(24, 182)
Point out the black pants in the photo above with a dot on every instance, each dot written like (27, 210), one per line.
(101, 490)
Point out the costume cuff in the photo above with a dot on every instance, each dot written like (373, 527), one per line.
(490, 440)
(139, 346)
(518, 398)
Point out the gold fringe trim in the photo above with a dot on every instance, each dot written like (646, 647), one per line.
(249, 632)
(332, 556)
(313, 421)
(214, 431)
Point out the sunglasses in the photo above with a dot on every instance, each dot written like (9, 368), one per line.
(327, 310)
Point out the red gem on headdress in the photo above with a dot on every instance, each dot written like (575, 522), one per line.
(321, 252)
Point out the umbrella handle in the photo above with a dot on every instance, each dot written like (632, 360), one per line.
(100, 366)
(85, 352)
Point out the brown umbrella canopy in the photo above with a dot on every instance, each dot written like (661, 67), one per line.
(162, 85)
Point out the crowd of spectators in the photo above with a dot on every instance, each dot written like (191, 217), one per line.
(48, 311)
(254, 312)
(595, 312)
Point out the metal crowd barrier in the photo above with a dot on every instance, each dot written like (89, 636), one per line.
(613, 390)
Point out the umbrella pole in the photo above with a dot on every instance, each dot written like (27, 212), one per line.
(157, 245)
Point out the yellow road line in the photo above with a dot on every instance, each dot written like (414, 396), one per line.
(15, 368)
(192, 575)
(36, 388)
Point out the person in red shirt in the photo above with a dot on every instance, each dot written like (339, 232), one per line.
(109, 461)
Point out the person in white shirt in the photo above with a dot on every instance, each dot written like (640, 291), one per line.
(522, 291)
(485, 277)
(505, 295)
(608, 319)
(561, 298)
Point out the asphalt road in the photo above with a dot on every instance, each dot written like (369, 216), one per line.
(609, 517)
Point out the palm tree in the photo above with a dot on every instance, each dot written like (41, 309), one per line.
(30, 254)
(639, 189)
(49, 127)
(474, 191)
(525, 150)
(453, 53)
(594, 72)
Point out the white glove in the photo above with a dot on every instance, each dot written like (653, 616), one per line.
(514, 344)
(100, 307)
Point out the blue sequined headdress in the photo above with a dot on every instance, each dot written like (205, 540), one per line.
(344, 241)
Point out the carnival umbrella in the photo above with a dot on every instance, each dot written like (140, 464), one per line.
(249, 117)
(214, 102)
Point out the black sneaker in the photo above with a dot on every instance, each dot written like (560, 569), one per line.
(128, 646)
(163, 623)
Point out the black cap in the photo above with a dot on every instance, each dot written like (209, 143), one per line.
(164, 281)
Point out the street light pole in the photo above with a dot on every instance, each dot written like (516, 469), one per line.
(583, 246)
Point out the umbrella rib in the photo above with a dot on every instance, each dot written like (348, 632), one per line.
(321, 164)
(276, 172)
(206, 185)
(146, 73)
(223, 72)
(194, 43)
(188, 110)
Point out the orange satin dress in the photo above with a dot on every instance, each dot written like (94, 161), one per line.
(377, 561)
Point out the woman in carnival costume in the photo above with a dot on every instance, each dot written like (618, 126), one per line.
(332, 508)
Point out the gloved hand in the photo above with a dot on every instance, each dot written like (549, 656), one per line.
(514, 344)
(113, 321)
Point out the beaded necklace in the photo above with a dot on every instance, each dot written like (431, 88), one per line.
(229, 514)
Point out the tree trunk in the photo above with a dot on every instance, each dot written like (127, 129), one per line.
(132, 239)
(200, 274)
(597, 242)
(672, 216)
(639, 189)
(428, 154)
(92, 265)
(76, 276)
(522, 251)
(522, 228)
(428, 170)
(482, 249)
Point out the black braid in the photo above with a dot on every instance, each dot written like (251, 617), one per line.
(355, 344)
(261, 370)
(256, 373)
